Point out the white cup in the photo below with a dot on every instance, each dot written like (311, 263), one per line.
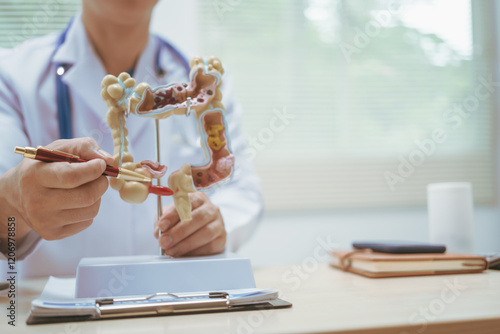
(451, 217)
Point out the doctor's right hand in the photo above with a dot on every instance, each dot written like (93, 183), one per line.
(57, 199)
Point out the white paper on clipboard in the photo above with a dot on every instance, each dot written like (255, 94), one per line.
(57, 299)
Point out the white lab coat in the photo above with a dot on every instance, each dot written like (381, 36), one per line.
(28, 117)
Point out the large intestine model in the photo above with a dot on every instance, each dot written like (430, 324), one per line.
(201, 97)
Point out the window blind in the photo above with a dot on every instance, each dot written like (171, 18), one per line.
(25, 19)
(352, 103)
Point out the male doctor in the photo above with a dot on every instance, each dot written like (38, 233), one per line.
(63, 211)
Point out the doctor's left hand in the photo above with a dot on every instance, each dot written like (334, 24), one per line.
(204, 234)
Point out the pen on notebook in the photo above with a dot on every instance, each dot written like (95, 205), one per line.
(50, 155)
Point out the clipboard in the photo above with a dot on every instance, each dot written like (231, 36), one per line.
(159, 304)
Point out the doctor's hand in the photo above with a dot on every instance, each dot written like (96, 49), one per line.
(205, 234)
(57, 199)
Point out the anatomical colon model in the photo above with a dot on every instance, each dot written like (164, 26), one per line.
(201, 97)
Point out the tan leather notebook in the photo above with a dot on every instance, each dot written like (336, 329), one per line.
(378, 265)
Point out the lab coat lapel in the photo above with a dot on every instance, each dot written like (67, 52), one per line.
(84, 69)
(144, 72)
(145, 67)
(84, 81)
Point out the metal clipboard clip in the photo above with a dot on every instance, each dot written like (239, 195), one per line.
(143, 306)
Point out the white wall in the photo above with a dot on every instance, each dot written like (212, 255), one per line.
(291, 238)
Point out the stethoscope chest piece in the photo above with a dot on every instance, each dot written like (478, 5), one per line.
(60, 70)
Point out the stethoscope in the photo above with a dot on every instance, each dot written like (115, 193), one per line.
(62, 90)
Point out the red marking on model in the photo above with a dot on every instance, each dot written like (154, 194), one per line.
(160, 190)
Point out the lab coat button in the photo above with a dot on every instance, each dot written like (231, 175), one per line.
(176, 139)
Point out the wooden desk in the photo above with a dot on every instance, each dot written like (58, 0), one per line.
(325, 301)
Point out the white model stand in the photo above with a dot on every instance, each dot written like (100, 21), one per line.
(144, 275)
